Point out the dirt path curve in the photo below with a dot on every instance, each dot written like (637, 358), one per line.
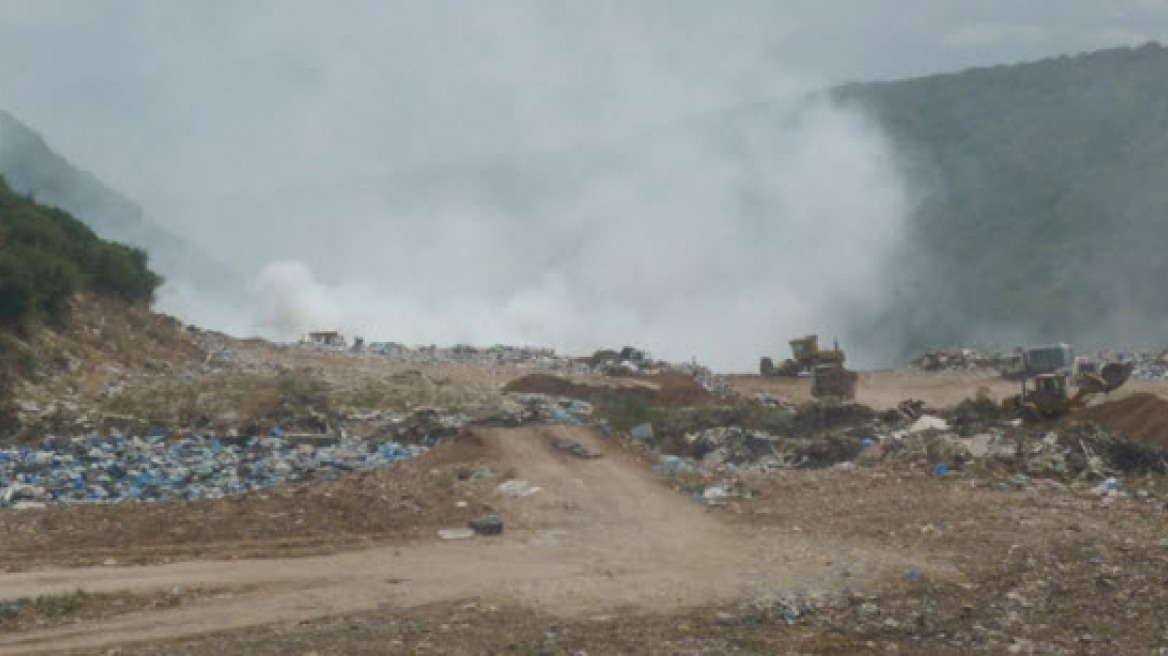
(602, 534)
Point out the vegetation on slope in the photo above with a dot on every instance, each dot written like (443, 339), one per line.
(46, 256)
(1044, 208)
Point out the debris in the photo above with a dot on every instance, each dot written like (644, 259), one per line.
(1106, 486)
(93, 469)
(956, 360)
(927, 423)
(456, 533)
(642, 432)
(517, 488)
(489, 524)
(716, 493)
(673, 464)
(577, 449)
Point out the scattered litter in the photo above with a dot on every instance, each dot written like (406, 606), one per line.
(517, 488)
(456, 533)
(928, 422)
(1106, 486)
(642, 432)
(673, 464)
(489, 524)
(716, 493)
(575, 448)
(957, 360)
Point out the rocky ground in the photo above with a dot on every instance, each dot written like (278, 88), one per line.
(645, 510)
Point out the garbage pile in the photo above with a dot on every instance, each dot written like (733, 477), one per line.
(1148, 366)
(1077, 451)
(110, 470)
(547, 408)
(423, 426)
(740, 448)
(956, 360)
(732, 445)
(521, 356)
(1081, 450)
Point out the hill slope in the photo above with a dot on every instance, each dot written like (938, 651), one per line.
(32, 167)
(1044, 203)
(47, 259)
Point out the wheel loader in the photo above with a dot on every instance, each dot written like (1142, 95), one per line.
(1049, 397)
(806, 356)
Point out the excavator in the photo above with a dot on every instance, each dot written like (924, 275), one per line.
(806, 357)
(1049, 399)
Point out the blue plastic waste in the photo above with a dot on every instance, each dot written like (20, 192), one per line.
(92, 469)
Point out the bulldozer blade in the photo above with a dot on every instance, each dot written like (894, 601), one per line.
(1115, 374)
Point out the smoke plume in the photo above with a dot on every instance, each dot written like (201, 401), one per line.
(717, 238)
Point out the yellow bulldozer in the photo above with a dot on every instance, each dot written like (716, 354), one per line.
(806, 356)
(1048, 397)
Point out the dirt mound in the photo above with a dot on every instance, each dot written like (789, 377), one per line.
(665, 389)
(1141, 418)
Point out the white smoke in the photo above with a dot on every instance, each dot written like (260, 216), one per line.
(569, 174)
(717, 241)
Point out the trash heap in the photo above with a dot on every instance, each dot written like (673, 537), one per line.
(732, 445)
(547, 408)
(110, 470)
(956, 360)
(752, 449)
(1148, 366)
(521, 356)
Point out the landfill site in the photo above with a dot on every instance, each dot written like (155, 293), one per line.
(202, 494)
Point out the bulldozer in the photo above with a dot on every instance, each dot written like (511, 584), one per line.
(831, 382)
(1048, 398)
(806, 356)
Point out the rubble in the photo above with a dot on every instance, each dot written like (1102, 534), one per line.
(576, 449)
(927, 423)
(517, 488)
(456, 533)
(153, 468)
(488, 524)
(965, 359)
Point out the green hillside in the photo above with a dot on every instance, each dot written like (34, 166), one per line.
(46, 256)
(1044, 200)
(30, 166)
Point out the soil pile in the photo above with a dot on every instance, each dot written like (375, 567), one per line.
(1141, 418)
(666, 389)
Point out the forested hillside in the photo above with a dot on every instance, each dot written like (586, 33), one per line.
(46, 256)
(30, 166)
(1044, 200)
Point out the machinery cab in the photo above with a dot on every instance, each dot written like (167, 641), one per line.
(803, 349)
(1050, 387)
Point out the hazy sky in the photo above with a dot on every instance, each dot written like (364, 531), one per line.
(266, 130)
(167, 99)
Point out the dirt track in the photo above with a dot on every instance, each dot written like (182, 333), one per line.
(601, 535)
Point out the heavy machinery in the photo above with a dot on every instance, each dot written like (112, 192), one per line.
(806, 356)
(833, 382)
(1049, 397)
(1038, 360)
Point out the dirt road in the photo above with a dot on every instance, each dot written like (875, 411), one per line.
(602, 534)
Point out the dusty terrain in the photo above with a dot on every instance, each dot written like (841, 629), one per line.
(613, 554)
(602, 535)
